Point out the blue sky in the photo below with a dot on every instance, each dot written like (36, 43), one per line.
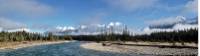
(134, 13)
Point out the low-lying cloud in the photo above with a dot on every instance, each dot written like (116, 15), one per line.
(167, 21)
(176, 27)
(7, 24)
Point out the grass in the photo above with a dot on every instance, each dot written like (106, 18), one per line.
(4, 45)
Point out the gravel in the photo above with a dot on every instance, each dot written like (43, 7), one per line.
(147, 50)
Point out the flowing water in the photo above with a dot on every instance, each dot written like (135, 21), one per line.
(62, 49)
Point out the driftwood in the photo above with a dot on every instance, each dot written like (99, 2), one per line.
(111, 42)
(106, 44)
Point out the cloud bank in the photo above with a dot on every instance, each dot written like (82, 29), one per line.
(170, 24)
(167, 21)
(7, 24)
(176, 27)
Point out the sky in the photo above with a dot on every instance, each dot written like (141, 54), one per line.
(47, 14)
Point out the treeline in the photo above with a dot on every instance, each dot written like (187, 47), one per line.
(25, 36)
(175, 36)
(190, 35)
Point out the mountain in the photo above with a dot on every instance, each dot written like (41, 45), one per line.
(20, 29)
(192, 21)
(183, 24)
(180, 23)
(112, 27)
(181, 20)
(164, 24)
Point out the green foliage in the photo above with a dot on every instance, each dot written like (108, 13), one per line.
(190, 35)
(24, 36)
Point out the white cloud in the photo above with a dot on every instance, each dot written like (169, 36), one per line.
(114, 24)
(111, 24)
(13, 26)
(131, 5)
(7, 24)
(1, 29)
(41, 26)
(192, 6)
(70, 28)
(24, 7)
(170, 20)
(59, 28)
(147, 30)
(176, 27)
(185, 26)
(101, 25)
(20, 29)
(118, 23)
(166, 21)
(83, 26)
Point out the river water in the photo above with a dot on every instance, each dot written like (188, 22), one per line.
(61, 49)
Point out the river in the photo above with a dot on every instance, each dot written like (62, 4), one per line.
(61, 49)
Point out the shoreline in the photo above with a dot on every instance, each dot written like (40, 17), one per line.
(160, 44)
(18, 45)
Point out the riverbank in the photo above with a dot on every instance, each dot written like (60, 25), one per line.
(130, 49)
(17, 45)
(139, 49)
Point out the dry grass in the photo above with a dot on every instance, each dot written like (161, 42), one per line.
(16, 45)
